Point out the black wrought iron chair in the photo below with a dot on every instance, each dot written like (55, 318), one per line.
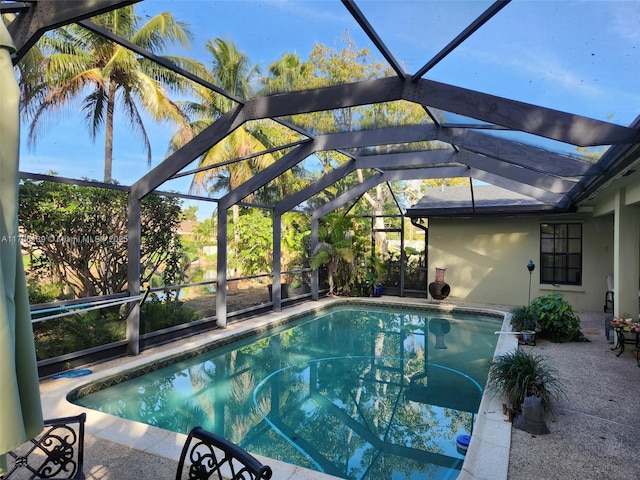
(207, 456)
(57, 453)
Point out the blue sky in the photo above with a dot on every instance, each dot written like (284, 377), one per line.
(576, 56)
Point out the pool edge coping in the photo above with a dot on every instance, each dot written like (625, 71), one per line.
(490, 423)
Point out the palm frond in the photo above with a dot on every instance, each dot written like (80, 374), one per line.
(162, 30)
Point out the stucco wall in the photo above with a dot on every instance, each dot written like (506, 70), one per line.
(486, 259)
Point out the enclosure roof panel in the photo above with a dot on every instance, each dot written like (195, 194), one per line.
(538, 98)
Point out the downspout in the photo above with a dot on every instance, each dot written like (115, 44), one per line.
(473, 199)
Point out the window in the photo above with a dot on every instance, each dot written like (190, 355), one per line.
(561, 253)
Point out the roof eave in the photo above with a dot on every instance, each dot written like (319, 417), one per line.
(506, 210)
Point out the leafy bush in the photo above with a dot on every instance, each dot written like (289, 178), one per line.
(556, 318)
(252, 252)
(59, 336)
(522, 319)
(80, 233)
(42, 293)
(521, 373)
(344, 248)
(156, 315)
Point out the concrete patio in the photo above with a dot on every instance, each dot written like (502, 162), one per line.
(593, 430)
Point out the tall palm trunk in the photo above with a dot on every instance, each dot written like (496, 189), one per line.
(108, 139)
(377, 203)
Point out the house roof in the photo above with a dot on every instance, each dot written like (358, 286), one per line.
(492, 132)
(465, 201)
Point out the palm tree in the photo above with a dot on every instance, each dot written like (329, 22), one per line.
(80, 65)
(287, 74)
(232, 71)
(342, 247)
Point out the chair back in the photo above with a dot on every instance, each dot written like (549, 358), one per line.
(58, 452)
(610, 283)
(207, 456)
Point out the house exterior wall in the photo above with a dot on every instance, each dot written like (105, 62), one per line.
(621, 200)
(486, 258)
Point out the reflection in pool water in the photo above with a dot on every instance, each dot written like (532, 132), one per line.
(363, 393)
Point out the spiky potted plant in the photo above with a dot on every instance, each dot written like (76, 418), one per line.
(521, 373)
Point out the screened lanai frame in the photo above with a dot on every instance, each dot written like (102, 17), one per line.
(487, 136)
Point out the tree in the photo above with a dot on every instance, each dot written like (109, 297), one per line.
(287, 74)
(79, 235)
(232, 71)
(77, 65)
(343, 248)
(254, 230)
(205, 231)
(189, 214)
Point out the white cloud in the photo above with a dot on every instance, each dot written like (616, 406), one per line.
(626, 20)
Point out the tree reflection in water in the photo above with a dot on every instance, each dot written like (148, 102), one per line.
(356, 393)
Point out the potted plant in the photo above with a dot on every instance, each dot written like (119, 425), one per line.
(374, 276)
(524, 321)
(521, 374)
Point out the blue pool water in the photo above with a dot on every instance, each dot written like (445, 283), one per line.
(355, 392)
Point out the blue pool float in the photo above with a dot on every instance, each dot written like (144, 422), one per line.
(73, 373)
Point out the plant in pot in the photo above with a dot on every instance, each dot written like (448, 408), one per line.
(374, 276)
(524, 321)
(521, 374)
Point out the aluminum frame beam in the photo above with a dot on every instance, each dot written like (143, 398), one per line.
(512, 114)
(487, 107)
(359, 17)
(314, 188)
(516, 172)
(44, 15)
(516, 153)
(188, 153)
(347, 196)
(543, 188)
(268, 174)
(487, 15)
(558, 199)
(521, 116)
(532, 159)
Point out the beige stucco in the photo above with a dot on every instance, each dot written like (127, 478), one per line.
(486, 258)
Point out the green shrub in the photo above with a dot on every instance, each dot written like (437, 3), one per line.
(523, 320)
(42, 293)
(521, 373)
(59, 336)
(156, 314)
(556, 318)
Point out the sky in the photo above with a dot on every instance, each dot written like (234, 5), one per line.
(576, 56)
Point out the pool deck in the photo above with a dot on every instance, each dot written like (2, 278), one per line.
(594, 433)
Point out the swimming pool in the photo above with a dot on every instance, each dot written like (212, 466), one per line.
(356, 392)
